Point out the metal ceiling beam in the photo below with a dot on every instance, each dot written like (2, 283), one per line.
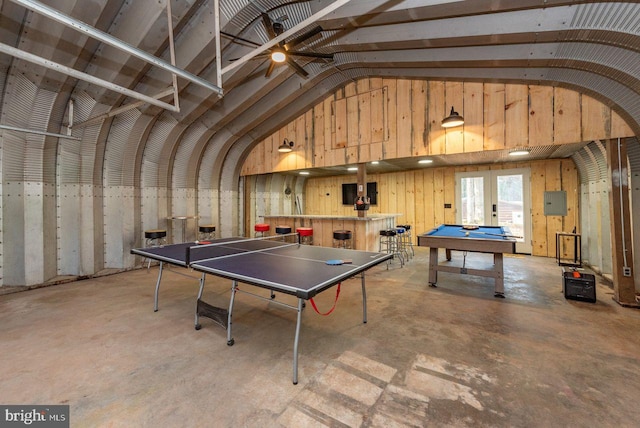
(115, 42)
(35, 131)
(83, 76)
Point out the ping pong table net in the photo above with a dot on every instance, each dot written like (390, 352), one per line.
(210, 250)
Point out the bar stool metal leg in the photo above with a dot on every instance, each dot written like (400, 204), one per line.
(154, 238)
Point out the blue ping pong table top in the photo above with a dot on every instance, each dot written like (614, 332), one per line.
(300, 270)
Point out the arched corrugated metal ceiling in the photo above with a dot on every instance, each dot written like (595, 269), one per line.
(592, 47)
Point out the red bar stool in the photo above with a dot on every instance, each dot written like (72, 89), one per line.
(261, 228)
(342, 238)
(305, 235)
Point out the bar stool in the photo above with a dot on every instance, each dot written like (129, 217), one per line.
(389, 244)
(408, 239)
(305, 235)
(207, 231)
(154, 238)
(342, 238)
(261, 228)
(283, 230)
(401, 242)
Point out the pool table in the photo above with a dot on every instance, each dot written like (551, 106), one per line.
(485, 239)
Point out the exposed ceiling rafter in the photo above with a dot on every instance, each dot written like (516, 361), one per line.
(115, 42)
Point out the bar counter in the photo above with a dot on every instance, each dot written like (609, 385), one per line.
(365, 231)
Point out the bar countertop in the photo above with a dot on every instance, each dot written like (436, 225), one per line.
(369, 217)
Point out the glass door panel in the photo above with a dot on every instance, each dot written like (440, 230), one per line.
(472, 206)
(510, 203)
(496, 198)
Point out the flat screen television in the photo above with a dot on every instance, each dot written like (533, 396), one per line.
(350, 193)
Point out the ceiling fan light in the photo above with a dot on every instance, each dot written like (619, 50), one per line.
(278, 56)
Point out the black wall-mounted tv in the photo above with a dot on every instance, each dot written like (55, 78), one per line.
(350, 193)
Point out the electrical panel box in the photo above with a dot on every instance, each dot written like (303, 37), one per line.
(555, 203)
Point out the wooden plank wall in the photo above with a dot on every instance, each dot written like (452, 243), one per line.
(421, 195)
(386, 118)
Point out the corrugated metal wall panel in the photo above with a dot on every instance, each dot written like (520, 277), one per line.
(181, 168)
(633, 153)
(20, 97)
(119, 137)
(131, 149)
(153, 150)
(607, 16)
(85, 107)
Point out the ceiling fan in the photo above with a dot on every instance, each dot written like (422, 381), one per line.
(284, 51)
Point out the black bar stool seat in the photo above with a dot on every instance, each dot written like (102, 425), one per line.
(342, 238)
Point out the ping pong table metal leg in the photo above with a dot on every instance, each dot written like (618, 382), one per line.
(202, 277)
(155, 298)
(234, 288)
(297, 340)
(364, 300)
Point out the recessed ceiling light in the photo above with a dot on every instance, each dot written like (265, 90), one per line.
(375, 163)
(352, 168)
(423, 161)
(304, 172)
(519, 152)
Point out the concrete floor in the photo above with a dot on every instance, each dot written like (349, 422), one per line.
(447, 356)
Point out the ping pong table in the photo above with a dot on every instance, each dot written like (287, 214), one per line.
(290, 268)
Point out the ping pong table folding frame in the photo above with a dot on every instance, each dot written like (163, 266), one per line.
(216, 267)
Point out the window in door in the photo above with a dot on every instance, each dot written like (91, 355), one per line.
(496, 198)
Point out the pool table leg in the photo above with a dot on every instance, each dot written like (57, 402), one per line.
(499, 288)
(433, 266)
(447, 252)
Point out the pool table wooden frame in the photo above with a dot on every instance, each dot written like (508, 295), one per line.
(476, 244)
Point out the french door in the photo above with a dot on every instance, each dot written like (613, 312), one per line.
(497, 198)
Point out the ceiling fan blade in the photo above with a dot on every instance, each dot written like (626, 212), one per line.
(268, 25)
(301, 38)
(272, 65)
(260, 56)
(311, 54)
(297, 68)
(235, 39)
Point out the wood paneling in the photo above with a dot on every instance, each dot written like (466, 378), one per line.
(375, 119)
(420, 196)
(493, 116)
(516, 116)
(540, 115)
(404, 115)
(473, 136)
